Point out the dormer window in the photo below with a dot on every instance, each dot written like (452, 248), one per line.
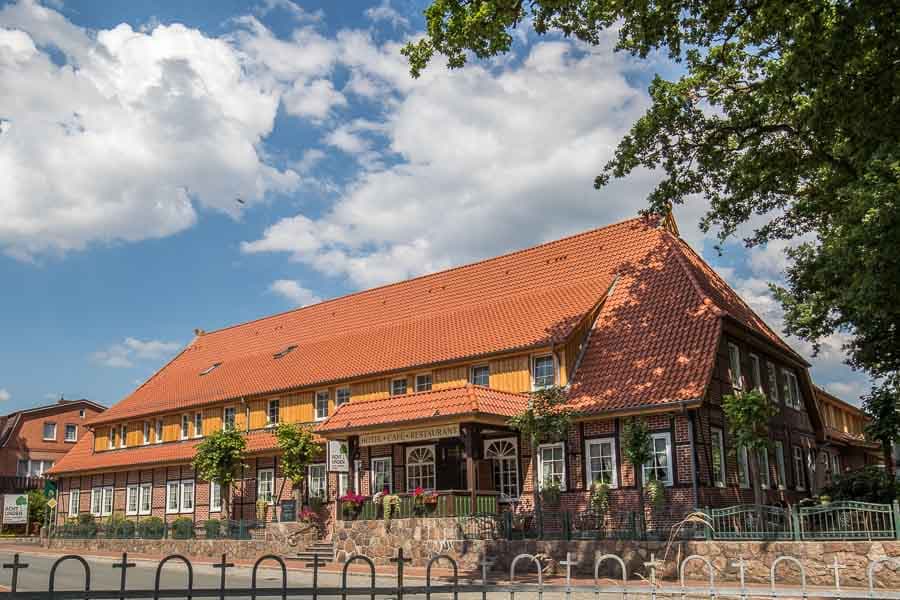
(284, 352)
(209, 369)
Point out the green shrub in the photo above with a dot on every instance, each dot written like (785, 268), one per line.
(870, 484)
(213, 528)
(119, 527)
(182, 528)
(87, 527)
(151, 528)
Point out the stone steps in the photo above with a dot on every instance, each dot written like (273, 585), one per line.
(324, 550)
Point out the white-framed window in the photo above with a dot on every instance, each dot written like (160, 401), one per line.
(321, 405)
(420, 467)
(734, 366)
(265, 485)
(779, 464)
(717, 439)
(342, 396)
(215, 496)
(773, 382)
(835, 465)
(382, 474)
(552, 464)
(113, 437)
(423, 382)
(81, 413)
(504, 457)
(343, 483)
(185, 426)
(229, 416)
(799, 469)
(132, 497)
(480, 375)
(95, 502)
(123, 436)
(22, 467)
(187, 496)
(74, 501)
(791, 389)
(660, 465)
(146, 498)
(398, 386)
(543, 372)
(71, 432)
(317, 482)
(272, 412)
(755, 373)
(357, 472)
(762, 460)
(159, 431)
(107, 503)
(600, 462)
(743, 462)
(36, 468)
(146, 438)
(198, 424)
(172, 501)
(49, 431)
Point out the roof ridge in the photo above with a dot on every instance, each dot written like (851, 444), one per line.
(426, 275)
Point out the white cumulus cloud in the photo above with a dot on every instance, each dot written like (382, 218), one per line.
(4, 395)
(294, 292)
(132, 350)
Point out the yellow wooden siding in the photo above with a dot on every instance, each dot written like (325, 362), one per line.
(135, 434)
(563, 378)
(450, 377)
(258, 410)
(171, 428)
(510, 374)
(297, 408)
(101, 439)
(212, 420)
(240, 417)
(369, 390)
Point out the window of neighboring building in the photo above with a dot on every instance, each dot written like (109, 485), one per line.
(215, 496)
(198, 424)
(423, 382)
(32, 468)
(146, 438)
(543, 372)
(159, 431)
(600, 462)
(185, 426)
(718, 456)
(81, 413)
(22, 467)
(773, 382)
(382, 474)
(321, 405)
(265, 485)
(743, 467)
(272, 413)
(146, 498)
(799, 469)
(755, 373)
(342, 396)
(480, 375)
(504, 457)
(228, 417)
(791, 389)
(398, 386)
(49, 431)
(318, 484)
(552, 465)
(762, 460)
(74, 502)
(779, 464)
(734, 366)
(420, 468)
(660, 466)
(71, 432)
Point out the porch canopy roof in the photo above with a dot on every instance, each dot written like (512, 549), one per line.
(471, 401)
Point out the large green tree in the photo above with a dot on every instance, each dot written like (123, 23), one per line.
(220, 457)
(786, 120)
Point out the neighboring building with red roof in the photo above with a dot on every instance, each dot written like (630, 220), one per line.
(846, 446)
(416, 381)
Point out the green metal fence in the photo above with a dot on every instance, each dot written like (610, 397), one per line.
(849, 520)
(749, 522)
(154, 528)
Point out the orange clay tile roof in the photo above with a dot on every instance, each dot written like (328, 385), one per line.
(82, 457)
(469, 400)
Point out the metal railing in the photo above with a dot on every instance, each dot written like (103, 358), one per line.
(749, 522)
(849, 520)
(20, 483)
(449, 503)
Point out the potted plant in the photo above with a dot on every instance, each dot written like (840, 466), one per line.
(419, 501)
(262, 509)
(824, 500)
(600, 500)
(550, 492)
(391, 504)
(351, 503)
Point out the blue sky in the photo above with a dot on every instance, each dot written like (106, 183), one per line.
(128, 132)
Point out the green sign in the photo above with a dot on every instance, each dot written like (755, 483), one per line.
(49, 488)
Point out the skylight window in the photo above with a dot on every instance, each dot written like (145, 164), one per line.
(284, 352)
(210, 369)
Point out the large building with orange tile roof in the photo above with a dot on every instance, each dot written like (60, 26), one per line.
(413, 384)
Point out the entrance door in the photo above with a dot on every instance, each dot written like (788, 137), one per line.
(504, 457)
(451, 465)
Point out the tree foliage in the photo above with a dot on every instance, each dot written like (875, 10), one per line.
(636, 442)
(786, 117)
(546, 419)
(748, 417)
(298, 449)
(870, 484)
(219, 457)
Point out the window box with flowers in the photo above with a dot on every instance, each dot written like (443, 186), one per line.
(351, 503)
(424, 501)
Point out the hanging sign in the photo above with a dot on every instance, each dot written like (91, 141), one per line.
(337, 456)
(410, 435)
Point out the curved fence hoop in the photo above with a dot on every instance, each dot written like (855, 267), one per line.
(455, 575)
(599, 561)
(540, 574)
(190, 570)
(709, 569)
(283, 566)
(871, 570)
(62, 559)
(360, 558)
(794, 561)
